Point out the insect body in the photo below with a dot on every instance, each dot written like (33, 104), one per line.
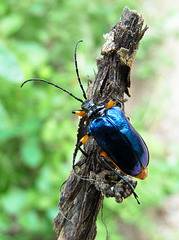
(113, 133)
(116, 137)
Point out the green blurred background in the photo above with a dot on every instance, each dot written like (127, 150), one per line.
(38, 131)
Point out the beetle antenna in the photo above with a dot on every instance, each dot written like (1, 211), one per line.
(42, 80)
(77, 72)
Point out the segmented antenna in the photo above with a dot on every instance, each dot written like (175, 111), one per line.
(42, 80)
(77, 73)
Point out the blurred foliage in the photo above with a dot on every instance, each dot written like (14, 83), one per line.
(37, 131)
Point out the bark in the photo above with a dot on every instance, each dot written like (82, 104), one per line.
(82, 194)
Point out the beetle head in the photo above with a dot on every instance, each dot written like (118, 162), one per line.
(93, 110)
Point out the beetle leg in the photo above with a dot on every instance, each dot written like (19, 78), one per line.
(115, 102)
(110, 104)
(103, 154)
(82, 141)
(80, 113)
(102, 157)
(83, 151)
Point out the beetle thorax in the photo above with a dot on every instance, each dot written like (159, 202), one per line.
(93, 110)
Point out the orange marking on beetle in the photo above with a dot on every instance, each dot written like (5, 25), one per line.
(84, 139)
(142, 175)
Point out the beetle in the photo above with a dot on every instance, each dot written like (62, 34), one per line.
(113, 132)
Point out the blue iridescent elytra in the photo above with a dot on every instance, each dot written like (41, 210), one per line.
(122, 143)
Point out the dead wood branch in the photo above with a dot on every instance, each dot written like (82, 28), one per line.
(80, 199)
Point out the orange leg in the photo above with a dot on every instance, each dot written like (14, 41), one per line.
(80, 113)
(114, 102)
(103, 154)
(110, 104)
(82, 141)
